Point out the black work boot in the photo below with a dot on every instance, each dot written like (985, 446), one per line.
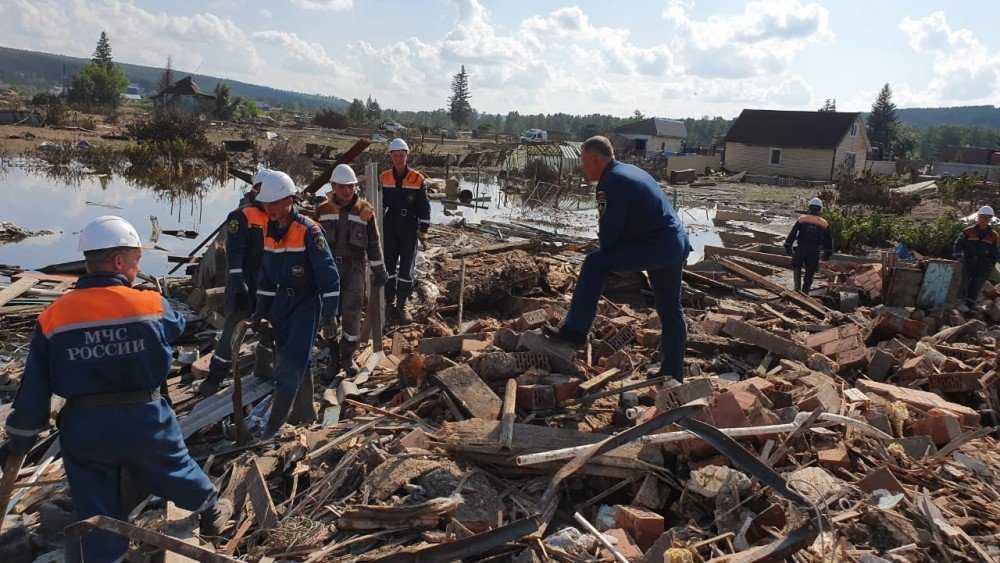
(347, 363)
(565, 336)
(303, 410)
(401, 314)
(214, 519)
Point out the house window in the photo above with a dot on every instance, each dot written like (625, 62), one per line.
(854, 129)
(775, 157)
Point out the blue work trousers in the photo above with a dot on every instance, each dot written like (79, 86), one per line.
(99, 443)
(664, 278)
(294, 334)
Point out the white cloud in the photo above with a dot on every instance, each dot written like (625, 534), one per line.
(763, 39)
(203, 41)
(965, 69)
(297, 48)
(327, 5)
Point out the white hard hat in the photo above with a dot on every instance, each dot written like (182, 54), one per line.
(258, 176)
(986, 210)
(275, 186)
(398, 145)
(815, 202)
(109, 231)
(344, 174)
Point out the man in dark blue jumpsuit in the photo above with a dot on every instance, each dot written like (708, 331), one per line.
(977, 248)
(407, 219)
(105, 347)
(812, 232)
(244, 247)
(638, 231)
(298, 287)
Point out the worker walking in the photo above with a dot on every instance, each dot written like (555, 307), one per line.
(812, 233)
(106, 348)
(407, 219)
(352, 234)
(244, 248)
(977, 248)
(298, 287)
(638, 231)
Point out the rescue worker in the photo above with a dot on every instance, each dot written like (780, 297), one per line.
(812, 232)
(298, 287)
(244, 247)
(407, 219)
(352, 234)
(638, 230)
(977, 248)
(106, 348)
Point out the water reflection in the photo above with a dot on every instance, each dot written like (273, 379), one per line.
(64, 198)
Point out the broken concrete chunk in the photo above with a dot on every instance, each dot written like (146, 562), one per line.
(710, 480)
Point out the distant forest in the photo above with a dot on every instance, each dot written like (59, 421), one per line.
(41, 71)
(931, 129)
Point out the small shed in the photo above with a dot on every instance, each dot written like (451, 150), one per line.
(185, 92)
(653, 136)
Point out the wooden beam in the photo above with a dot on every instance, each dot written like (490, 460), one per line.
(507, 420)
(498, 247)
(715, 252)
(600, 380)
(808, 303)
(260, 498)
(16, 289)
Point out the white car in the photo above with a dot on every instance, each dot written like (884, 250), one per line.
(534, 136)
(392, 127)
(379, 138)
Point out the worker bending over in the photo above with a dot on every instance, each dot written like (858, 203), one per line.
(298, 287)
(638, 231)
(352, 234)
(977, 248)
(407, 218)
(106, 348)
(812, 233)
(244, 247)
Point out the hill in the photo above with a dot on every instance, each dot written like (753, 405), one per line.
(43, 70)
(964, 116)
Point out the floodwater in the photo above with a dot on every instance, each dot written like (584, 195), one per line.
(64, 204)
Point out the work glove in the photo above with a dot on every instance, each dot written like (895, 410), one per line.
(237, 295)
(826, 255)
(788, 249)
(380, 277)
(257, 322)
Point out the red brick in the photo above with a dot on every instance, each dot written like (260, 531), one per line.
(942, 426)
(644, 525)
(624, 544)
(835, 457)
(727, 412)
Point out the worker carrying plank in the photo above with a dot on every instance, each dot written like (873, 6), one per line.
(106, 348)
(298, 287)
(407, 219)
(977, 248)
(638, 230)
(353, 236)
(812, 233)
(244, 250)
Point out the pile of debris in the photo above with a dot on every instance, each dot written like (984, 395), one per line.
(9, 232)
(830, 427)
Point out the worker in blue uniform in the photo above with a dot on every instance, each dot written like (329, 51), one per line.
(298, 287)
(244, 249)
(812, 233)
(638, 230)
(977, 248)
(406, 221)
(106, 348)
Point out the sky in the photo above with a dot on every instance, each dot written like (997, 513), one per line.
(669, 58)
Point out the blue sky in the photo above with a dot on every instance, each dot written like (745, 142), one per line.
(675, 58)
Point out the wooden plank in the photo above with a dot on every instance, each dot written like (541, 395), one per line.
(213, 409)
(600, 380)
(498, 247)
(714, 252)
(810, 304)
(180, 525)
(507, 421)
(16, 289)
(260, 498)
(470, 393)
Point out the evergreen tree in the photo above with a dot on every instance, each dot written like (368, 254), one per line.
(225, 106)
(637, 115)
(372, 109)
(167, 78)
(356, 112)
(458, 104)
(829, 105)
(883, 123)
(102, 54)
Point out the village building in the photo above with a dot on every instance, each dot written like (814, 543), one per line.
(649, 137)
(814, 145)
